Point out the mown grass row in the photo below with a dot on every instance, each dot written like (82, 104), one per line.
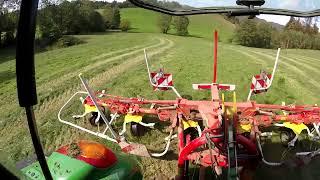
(55, 133)
(190, 61)
(57, 70)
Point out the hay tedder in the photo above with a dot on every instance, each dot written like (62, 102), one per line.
(226, 136)
(216, 133)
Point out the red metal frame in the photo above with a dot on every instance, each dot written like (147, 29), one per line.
(209, 111)
(215, 61)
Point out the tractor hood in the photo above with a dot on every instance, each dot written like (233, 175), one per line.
(298, 8)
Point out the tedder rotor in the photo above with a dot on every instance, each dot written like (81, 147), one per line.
(228, 134)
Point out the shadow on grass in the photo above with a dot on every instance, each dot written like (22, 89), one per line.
(292, 168)
(6, 76)
(7, 54)
(161, 126)
(206, 173)
(171, 155)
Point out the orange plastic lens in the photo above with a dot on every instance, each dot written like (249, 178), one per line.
(92, 150)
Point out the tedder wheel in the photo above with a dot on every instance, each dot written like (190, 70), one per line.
(136, 129)
(286, 135)
(94, 115)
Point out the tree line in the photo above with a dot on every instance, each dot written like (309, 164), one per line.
(57, 18)
(179, 23)
(167, 4)
(166, 22)
(8, 21)
(61, 17)
(297, 33)
(77, 17)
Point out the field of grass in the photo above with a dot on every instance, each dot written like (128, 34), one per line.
(114, 61)
(200, 26)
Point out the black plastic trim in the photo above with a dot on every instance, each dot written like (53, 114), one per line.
(227, 10)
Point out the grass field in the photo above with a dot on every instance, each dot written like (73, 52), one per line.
(200, 26)
(114, 61)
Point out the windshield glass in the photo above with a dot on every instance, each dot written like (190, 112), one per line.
(297, 5)
(163, 81)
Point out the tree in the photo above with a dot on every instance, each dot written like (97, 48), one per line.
(246, 33)
(290, 25)
(298, 26)
(125, 25)
(308, 25)
(48, 27)
(294, 25)
(181, 24)
(164, 23)
(114, 4)
(65, 18)
(96, 23)
(8, 21)
(116, 18)
(111, 17)
(263, 35)
(125, 4)
(251, 33)
(10, 26)
(107, 17)
(299, 33)
(3, 24)
(315, 29)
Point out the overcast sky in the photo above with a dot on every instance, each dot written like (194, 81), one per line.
(274, 18)
(303, 5)
(284, 4)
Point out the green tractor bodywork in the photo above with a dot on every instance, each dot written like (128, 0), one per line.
(64, 167)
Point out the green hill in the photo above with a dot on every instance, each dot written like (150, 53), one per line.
(200, 25)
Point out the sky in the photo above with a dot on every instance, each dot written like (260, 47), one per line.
(302, 5)
(275, 18)
(286, 4)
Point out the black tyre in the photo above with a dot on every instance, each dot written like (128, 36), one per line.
(136, 129)
(94, 116)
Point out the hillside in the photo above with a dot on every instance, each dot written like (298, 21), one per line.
(200, 25)
(273, 24)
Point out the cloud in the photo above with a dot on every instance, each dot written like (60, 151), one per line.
(275, 18)
(300, 5)
(206, 3)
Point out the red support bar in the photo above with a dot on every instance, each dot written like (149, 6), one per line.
(181, 142)
(215, 56)
(189, 148)
(248, 144)
(180, 139)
